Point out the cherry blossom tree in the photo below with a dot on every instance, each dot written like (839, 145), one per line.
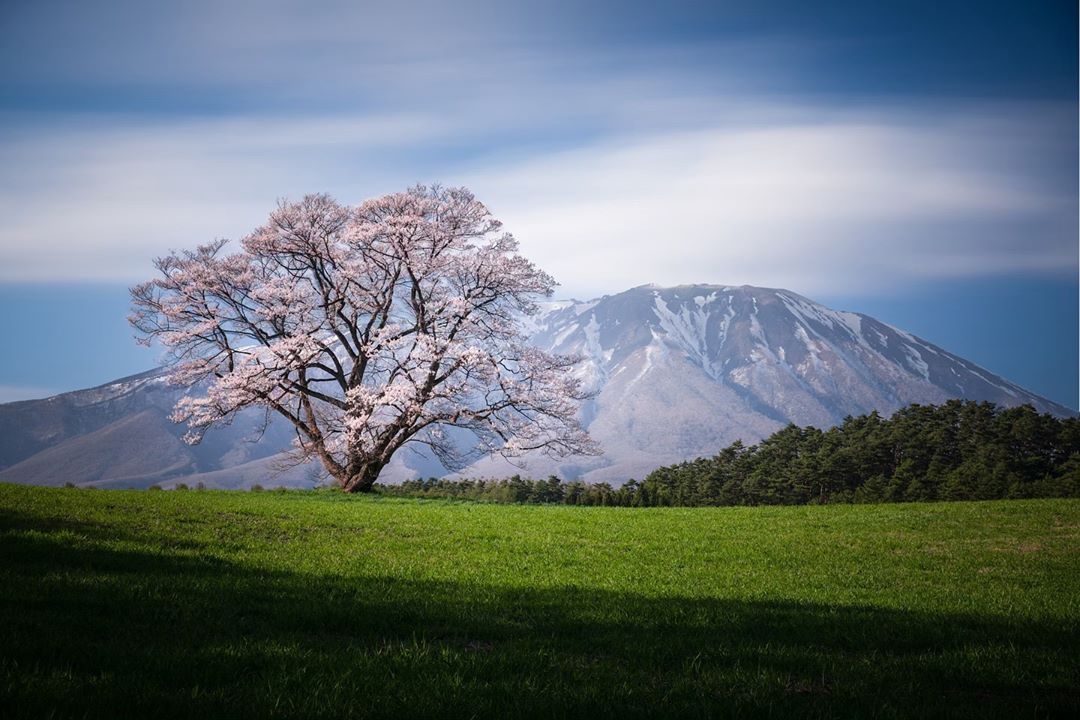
(367, 328)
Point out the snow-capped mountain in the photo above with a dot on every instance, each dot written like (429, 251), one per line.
(680, 372)
(677, 373)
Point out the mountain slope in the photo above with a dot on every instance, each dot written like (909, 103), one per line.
(118, 434)
(137, 449)
(680, 372)
(676, 373)
(30, 426)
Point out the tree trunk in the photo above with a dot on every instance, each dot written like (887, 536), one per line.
(362, 478)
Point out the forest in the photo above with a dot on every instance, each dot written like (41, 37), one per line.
(960, 450)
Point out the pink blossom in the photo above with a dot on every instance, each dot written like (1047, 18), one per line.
(367, 328)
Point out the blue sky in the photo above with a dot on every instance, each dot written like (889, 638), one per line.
(913, 160)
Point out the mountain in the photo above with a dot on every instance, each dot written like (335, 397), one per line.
(119, 435)
(676, 373)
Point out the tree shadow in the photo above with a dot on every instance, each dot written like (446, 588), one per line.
(91, 630)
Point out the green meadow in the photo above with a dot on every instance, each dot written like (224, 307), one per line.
(318, 604)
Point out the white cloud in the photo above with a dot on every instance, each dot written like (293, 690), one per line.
(732, 191)
(615, 163)
(832, 203)
(98, 202)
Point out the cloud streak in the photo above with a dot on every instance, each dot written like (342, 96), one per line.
(772, 194)
(856, 203)
(674, 160)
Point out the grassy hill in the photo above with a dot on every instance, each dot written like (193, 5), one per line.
(208, 604)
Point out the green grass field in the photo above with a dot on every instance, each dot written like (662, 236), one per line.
(215, 604)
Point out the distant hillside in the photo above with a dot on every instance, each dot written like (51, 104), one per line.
(678, 372)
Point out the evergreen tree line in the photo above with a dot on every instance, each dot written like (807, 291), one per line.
(960, 450)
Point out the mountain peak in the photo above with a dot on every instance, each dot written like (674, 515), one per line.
(683, 370)
(677, 372)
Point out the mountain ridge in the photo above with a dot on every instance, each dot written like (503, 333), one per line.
(677, 372)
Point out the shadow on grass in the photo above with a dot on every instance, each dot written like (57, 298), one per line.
(89, 630)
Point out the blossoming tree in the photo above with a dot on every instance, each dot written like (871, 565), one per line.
(367, 328)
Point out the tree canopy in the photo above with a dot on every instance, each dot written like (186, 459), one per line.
(367, 328)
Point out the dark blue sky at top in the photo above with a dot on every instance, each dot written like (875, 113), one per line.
(846, 50)
(71, 65)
